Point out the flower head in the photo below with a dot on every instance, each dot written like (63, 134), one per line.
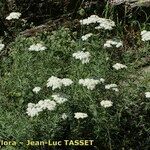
(66, 81)
(89, 83)
(106, 24)
(59, 98)
(111, 43)
(13, 15)
(147, 94)
(34, 109)
(83, 56)
(1, 46)
(85, 37)
(106, 103)
(36, 89)
(118, 66)
(81, 115)
(37, 47)
(112, 86)
(64, 116)
(50, 105)
(31, 110)
(55, 82)
(145, 35)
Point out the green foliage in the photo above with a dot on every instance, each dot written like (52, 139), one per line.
(124, 125)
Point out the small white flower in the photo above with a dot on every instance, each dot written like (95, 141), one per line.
(54, 82)
(59, 98)
(46, 104)
(64, 116)
(111, 43)
(36, 89)
(37, 47)
(1, 46)
(31, 110)
(118, 66)
(107, 45)
(112, 86)
(85, 37)
(145, 35)
(50, 105)
(89, 83)
(83, 56)
(13, 15)
(66, 81)
(81, 115)
(147, 94)
(89, 20)
(109, 86)
(106, 103)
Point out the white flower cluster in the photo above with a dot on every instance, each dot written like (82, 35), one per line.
(111, 43)
(13, 15)
(106, 103)
(86, 36)
(59, 98)
(114, 87)
(79, 115)
(36, 89)
(37, 47)
(103, 23)
(147, 94)
(118, 66)
(83, 56)
(145, 35)
(1, 46)
(55, 82)
(34, 109)
(91, 83)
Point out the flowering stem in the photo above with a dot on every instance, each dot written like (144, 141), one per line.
(109, 139)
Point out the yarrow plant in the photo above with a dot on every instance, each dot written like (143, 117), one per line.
(104, 23)
(55, 82)
(106, 103)
(37, 47)
(111, 43)
(83, 56)
(145, 35)
(13, 15)
(90, 94)
(80, 115)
